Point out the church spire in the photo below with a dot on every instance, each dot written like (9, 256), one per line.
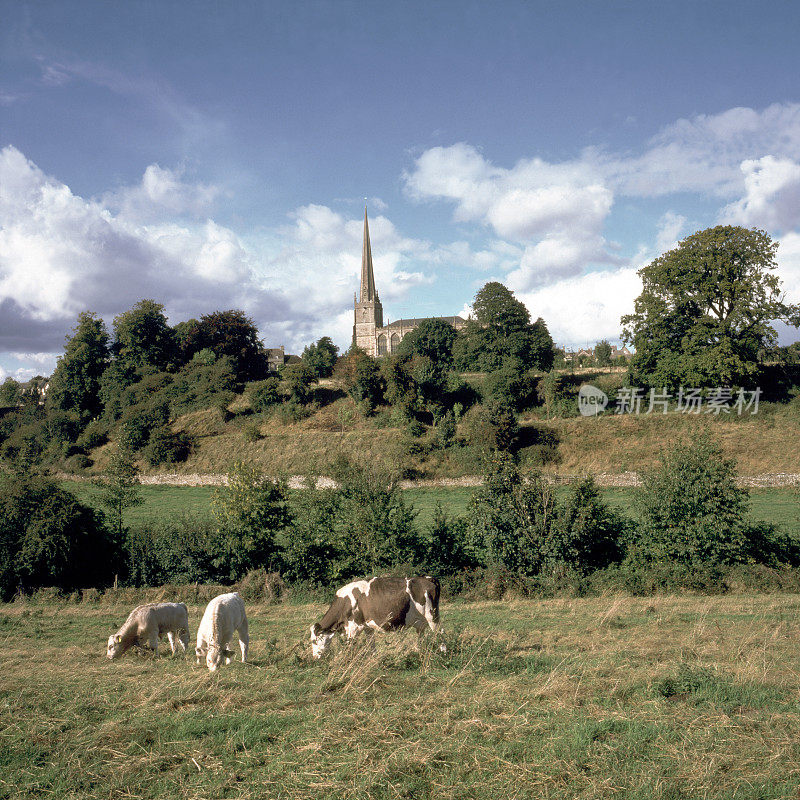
(368, 292)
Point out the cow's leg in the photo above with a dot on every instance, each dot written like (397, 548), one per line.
(244, 640)
(171, 640)
(183, 638)
(152, 643)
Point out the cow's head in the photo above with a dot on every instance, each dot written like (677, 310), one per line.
(214, 656)
(320, 640)
(114, 647)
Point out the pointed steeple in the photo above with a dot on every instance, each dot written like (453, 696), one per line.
(368, 292)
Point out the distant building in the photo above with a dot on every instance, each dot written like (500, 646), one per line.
(276, 358)
(369, 332)
(588, 352)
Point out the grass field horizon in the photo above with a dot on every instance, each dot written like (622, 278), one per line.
(780, 506)
(661, 697)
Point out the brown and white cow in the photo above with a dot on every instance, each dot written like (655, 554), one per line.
(384, 603)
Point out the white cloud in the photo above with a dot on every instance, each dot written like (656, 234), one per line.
(556, 212)
(162, 191)
(789, 266)
(582, 310)
(670, 228)
(61, 254)
(772, 195)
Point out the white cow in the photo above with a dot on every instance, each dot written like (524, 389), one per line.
(382, 604)
(223, 615)
(144, 626)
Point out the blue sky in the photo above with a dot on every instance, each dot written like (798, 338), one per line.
(214, 155)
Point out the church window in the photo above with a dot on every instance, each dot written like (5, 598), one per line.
(395, 342)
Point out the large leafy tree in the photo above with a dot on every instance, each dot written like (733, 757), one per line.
(706, 309)
(431, 339)
(143, 338)
(75, 383)
(502, 329)
(321, 357)
(226, 333)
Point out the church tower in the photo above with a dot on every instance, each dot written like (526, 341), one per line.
(368, 315)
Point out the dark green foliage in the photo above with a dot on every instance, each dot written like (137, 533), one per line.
(180, 549)
(309, 548)
(47, 538)
(264, 394)
(401, 389)
(446, 544)
(166, 446)
(511, 384)
(75, 383)
(119, 487)
(321, 357)
(706, 311)
(139, 421)
(492, 426)
(589, 535)
(10, 393)
(433, 339)
(230, 334)
(198, 385)
(510, 520)
(602, 353)
(693, 513)
(93, 435)
(502, 329)
(374, 527)
(143, 339)
(298, 379)
(250, 511)
(361, 379)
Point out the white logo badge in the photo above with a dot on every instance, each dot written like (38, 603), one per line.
(591, 400)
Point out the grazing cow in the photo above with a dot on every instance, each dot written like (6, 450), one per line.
(223, 615)
(144, 626)
(381, 604)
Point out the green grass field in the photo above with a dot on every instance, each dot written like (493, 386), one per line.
(779, 506)
(658, 699)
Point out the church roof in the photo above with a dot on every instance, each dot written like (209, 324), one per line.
(416, 321)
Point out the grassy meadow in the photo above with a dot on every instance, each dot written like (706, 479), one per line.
(780, 506)
(663, 697)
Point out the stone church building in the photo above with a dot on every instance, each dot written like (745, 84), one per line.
(369, 332)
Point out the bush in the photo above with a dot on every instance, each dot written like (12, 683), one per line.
(491, 427)
(264, 394)
(47, 538)
(693, 513)
(166, 447)
(77, 463)
(251, 432)
(139, 421)
(93, 435)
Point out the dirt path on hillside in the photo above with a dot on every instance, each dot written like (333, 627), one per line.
(605, 479)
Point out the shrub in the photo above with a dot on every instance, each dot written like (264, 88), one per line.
(491, 427)
(693, 512)
(166, 447)
(77, 463)
(139, 421)
(251, 432)
(264, 394)
(93, 435)
(47, 538)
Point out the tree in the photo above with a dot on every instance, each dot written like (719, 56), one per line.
(298, 378)
(360, 377)
(706, 309)
(119, 488)
(250, 510)
(75, 383)
(227, 333)
(602, 353)
(143, 339)
(10, 393)
(433, 339)
(321, 357)
(691, 510)
(510, 520)
(48, 538)
(502, 329)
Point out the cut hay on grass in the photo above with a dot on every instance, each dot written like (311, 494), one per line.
(662, 697)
